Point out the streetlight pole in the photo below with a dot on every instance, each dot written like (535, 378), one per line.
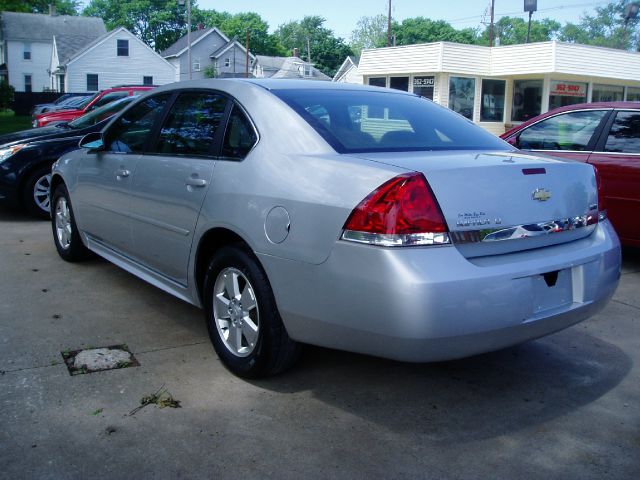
(530, 6)
(389, 26)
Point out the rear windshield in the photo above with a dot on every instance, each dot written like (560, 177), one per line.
(353, 121)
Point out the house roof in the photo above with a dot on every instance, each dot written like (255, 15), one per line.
(37, 27)
(181, 45)
(348, 63)
(68, 45)
(287, 67)
(226, 47)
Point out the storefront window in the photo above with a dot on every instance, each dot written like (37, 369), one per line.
(607, 93)
(563, 93)
(462, 95)
(492, 109)
(423, 86)
(527, 99)
(633, 94)
(399, 83)
(378, 81)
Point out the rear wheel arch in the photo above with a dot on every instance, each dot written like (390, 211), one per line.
(212, 241)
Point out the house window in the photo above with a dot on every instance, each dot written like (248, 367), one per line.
(147, 80)
(399, 83)
(92, 82)
(307, 71)
(492, 108)
(123, 48)
(196, 64)
(423, 86)
(378, 81)
(26, 52)
(462, 94)
(61, 83)
(227, 62)
(633, 94)
(563, 93)
(607, 93)
(527, 99)
(27, 84)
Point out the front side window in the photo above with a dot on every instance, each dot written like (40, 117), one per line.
(92, 82)
(462, 93)
(240, 136)
(354, 121)
(100, 114)
(527, 99)
(192, 124)
(26, 51)
(492, 109)
(572, 131)
(28, 87)
(624, 135)
(108, 98)
(130, 132)
(123, 48)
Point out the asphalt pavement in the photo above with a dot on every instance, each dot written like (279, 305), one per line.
(566, 406)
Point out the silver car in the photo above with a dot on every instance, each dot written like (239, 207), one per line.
(351, 217)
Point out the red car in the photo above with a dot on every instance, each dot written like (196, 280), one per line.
(606, 135)
(101, 98)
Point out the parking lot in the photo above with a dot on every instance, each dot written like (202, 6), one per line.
(566, 406)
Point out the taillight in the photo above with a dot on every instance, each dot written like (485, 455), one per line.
(602, 209)
(401, 212)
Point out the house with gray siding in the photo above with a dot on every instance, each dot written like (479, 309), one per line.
(286, 67)
(115, 58)
(26, 44)
(209, 48)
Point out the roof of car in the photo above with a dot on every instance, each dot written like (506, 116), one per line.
(595, 105)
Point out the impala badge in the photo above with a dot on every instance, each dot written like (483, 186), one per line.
(541, 195)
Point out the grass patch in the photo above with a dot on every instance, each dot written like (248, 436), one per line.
(9, 122)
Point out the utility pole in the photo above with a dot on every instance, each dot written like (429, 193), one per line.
(188, 4)
(491, 24)
(308, 51)
(389, 26)
(246, 65)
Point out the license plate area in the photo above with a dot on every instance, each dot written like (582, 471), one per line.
(552, 290)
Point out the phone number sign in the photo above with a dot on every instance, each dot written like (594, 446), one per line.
(568, 89)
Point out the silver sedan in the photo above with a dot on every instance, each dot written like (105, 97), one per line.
(356, 218)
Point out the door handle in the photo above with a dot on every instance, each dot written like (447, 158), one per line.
(122, 172)
(196, 182)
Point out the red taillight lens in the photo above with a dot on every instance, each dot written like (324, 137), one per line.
(601, 205)
(403, 211)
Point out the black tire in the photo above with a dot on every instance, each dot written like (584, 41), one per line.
(73, 250)
(273, 351)
(35, 198)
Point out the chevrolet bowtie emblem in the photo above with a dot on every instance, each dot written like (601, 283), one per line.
(541, 195)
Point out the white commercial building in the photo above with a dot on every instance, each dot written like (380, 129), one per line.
(498, 87)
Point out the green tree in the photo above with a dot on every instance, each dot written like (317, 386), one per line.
(606, 28)
(424, 30)
(260, 42)
(6, 95)
(63, 7)
(513, 30)
(370, 32)
(327, 51)
(158, 23)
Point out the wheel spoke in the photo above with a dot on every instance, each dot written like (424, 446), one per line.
(250, 331)
(231, 285)
(248, 298)
(235, 338)
(222, 306)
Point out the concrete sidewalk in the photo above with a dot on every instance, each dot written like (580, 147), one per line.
(567, 406)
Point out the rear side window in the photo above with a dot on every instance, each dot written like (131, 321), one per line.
(383, 121)
(567, 131)
(240, 136)
(192, 123)
(624, 135)
(130, 132)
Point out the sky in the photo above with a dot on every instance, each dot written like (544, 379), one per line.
(342, 15)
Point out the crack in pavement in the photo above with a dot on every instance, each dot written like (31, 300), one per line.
(626, 304)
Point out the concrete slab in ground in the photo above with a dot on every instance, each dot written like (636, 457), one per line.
(566, 406)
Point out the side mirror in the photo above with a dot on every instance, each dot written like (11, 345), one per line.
(93, 141)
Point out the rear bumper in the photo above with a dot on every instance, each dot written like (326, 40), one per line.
(431, 304)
